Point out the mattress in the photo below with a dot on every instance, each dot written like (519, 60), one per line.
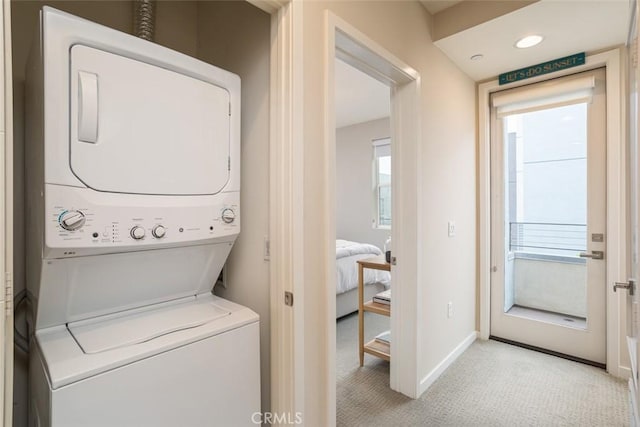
(347, 255)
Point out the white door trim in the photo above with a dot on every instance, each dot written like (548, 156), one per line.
(285, 209)
(360, 51)
(616, 200)
(6, 217)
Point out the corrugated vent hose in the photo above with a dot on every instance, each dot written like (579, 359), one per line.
(144, 18)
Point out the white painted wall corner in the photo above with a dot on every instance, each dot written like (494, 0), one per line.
(432, 376)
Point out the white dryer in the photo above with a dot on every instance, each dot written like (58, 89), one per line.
(133, 204)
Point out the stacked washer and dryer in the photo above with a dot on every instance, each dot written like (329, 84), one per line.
(133, 194)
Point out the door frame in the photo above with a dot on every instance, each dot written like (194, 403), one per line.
(6, 216)
(290, 394)
(286, 216)
(616, 251)
(358, 50)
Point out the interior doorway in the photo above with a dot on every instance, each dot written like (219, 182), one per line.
(355, 49)
(363, 223)
(549, 216)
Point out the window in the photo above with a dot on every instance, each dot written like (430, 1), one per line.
(382, 182)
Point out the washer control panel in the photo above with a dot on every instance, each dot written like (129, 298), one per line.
(87, 220)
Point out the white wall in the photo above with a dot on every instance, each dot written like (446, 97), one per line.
(179, 25)
(550, 285)
(354, 188)
(448, 182)
(235, 36)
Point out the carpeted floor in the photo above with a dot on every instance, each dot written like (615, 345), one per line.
(491, 384)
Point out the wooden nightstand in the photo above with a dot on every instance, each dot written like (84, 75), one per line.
(373, 347)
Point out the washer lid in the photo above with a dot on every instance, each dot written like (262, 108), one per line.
(124, 329)
(138, 128)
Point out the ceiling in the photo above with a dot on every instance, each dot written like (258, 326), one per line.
(435, 6)
(568, 27)
(359, 97)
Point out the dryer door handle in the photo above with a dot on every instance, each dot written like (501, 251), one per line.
(87, 107)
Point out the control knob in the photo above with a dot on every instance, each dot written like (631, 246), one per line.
(159, 231)
(228, 215)
(71, 220)
(137, 232)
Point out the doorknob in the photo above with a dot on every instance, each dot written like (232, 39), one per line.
(630, 285)
(592, 255)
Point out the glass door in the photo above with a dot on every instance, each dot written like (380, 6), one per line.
(548, 216)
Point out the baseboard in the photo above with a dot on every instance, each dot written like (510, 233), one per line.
(624, 372)
(432, 376)
(633, 405)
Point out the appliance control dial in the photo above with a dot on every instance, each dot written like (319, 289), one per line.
(228, 215)
(71, 220)
(159, 231)
(137, 232)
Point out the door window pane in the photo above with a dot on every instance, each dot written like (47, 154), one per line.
(546, 213)
(547, 180)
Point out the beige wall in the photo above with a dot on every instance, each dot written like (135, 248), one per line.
(24, 19)
(235, 36)
(354, 196)
(467, 14)
(178, 26)
(448, 182)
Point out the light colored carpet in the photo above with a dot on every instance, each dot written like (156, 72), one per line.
(491, 384)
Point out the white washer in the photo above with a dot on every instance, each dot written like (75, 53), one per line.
(130, 371)
(133, 206)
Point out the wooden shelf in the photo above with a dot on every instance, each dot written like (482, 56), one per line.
(378, 349)
(376, 307)
(373, 347)
(376, 263)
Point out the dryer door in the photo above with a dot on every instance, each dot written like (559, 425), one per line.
(138, 128)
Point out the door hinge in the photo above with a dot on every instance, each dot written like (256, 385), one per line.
(288, 298)
(8, 293)
(229, 163)
(229, 109)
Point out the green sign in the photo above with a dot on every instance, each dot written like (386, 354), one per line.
(544, 68)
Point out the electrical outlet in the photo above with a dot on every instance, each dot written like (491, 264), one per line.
(449, 309)
(451, 228)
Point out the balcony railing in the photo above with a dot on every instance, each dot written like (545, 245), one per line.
(548, 238)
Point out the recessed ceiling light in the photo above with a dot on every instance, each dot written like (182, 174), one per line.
(477, 57)
(528, 41)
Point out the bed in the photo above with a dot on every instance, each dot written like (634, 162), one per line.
(347, 253)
